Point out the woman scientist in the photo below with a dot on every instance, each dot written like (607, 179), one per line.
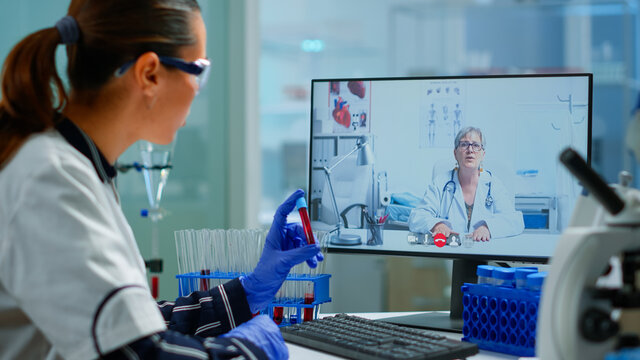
(467, 199)
(72, 281)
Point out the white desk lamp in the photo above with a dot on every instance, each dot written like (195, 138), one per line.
(365, 157)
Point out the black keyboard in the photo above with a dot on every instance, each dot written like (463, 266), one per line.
(359, 338)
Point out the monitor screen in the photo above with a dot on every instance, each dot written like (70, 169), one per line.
(396, 163)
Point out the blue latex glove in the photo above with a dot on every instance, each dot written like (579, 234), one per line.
(284, 248)
(263, 333)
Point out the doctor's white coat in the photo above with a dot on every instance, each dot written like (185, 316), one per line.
(438, 206)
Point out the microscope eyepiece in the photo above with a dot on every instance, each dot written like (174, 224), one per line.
(591, 181)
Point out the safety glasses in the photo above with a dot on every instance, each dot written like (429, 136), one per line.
(200, 68)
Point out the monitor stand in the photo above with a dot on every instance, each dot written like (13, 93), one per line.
(464, 271)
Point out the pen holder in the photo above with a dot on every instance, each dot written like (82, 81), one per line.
(375, 234)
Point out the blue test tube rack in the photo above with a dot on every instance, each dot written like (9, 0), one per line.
(190, 282)
(500, 319)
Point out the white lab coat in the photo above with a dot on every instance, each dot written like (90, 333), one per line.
(501, 217)
(64, 245)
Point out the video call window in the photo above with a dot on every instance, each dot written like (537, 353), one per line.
(411, 126)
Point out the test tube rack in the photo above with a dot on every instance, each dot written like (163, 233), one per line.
(190, 282)
(500, 319)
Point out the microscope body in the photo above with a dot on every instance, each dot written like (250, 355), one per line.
(577, 318)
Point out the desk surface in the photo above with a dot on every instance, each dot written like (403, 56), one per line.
(534, 247)
(297, 352)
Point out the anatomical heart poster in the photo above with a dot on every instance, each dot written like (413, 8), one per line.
(350, 106)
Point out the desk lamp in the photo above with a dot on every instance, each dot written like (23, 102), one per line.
(365, 157)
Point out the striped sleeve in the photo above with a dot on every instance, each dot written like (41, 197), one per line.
(208, 313)
(174, 345)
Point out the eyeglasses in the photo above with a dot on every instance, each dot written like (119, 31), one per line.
(464, 145)
(200, 68)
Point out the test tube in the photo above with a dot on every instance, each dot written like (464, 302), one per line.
(504, 276)
(309, 298)
(301, 205)
(535, 281)
(204, 271)
(278, 311)
(485, 274)
(191, 251)
(521, 277)
(179, 238)
(323, 237)
(211, 253)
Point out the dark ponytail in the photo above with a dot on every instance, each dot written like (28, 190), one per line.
(28, 98)
(110, 34)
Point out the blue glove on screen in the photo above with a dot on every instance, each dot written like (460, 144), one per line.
(284, 248)
(263, 333)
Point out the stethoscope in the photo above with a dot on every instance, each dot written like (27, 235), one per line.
(488, 201)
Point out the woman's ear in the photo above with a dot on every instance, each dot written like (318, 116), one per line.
(146, 74)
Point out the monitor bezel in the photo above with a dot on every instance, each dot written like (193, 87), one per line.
(441, 255)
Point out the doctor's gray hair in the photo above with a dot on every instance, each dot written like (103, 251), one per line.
(468, 130)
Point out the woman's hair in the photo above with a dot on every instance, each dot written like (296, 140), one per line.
(468, 130)
(111, 32)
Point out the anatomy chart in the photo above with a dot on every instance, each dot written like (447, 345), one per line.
(442, 110)
(350, 106)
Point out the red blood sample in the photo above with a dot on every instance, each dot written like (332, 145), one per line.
(301, 204)
(277, 314)
(204, 283)
(308, 312)
(154, 287)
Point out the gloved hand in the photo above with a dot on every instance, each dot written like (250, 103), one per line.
(284, 248)
(263, 333)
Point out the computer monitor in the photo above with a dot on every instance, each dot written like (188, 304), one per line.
(383, 148)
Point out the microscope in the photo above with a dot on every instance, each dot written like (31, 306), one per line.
(592, 282)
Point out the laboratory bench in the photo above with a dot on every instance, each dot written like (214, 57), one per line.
(297, 352)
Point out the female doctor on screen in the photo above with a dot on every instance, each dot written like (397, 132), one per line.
(467, 199)
(72, 280)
